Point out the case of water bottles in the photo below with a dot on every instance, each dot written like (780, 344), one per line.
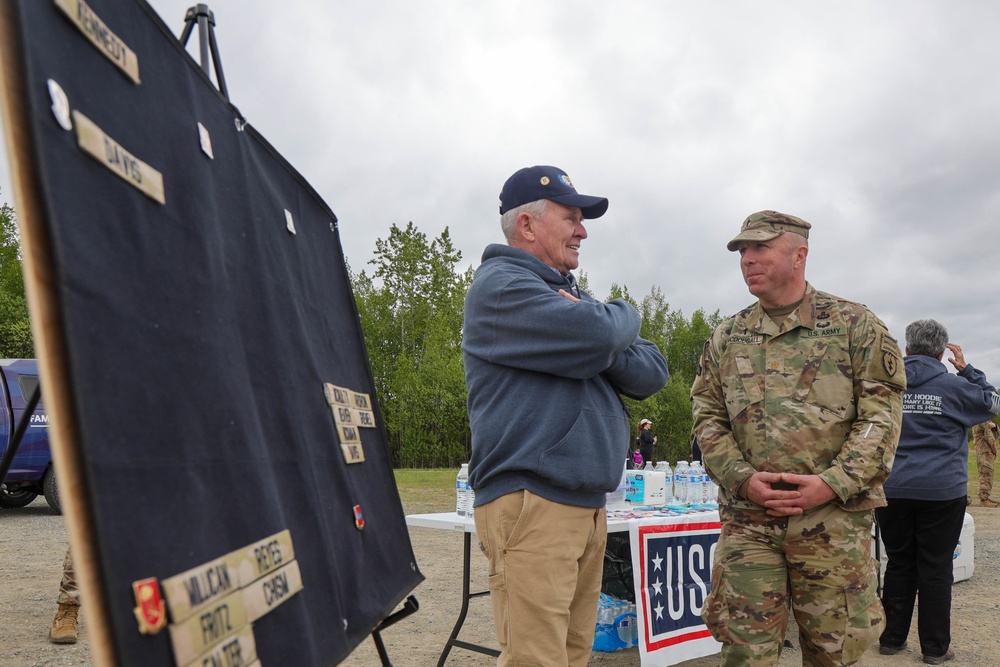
(617, 625)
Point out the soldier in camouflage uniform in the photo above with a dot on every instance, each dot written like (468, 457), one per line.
(984, 439)
(797, 406)
(63, 630)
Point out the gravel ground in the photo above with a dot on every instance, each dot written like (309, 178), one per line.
(34, 541)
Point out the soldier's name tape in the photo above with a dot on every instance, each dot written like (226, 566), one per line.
(193, 590)
(108, 43)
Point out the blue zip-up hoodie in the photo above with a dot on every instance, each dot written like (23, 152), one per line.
(544, 376)
(932, 460)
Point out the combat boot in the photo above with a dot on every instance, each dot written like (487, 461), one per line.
(989, 502)
(63, 630)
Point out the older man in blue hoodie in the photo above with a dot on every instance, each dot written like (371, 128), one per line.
(545, 365)
(927, 489)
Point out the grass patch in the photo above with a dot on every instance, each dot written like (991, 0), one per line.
(426, 478)
(426, 490)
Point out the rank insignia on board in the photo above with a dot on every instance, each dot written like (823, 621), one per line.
(150, 610)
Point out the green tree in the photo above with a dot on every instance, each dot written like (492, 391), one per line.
(411, 314)
(681, 341)
(15, 327)
(411, 307)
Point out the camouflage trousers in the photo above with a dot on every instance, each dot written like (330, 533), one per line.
(68, 593)
(986, 456)
(818, 565)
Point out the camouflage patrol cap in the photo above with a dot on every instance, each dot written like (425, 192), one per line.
(767, 225)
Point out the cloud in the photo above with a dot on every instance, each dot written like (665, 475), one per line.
(874, 121)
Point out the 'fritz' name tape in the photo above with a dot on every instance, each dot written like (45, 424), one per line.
(209, 628)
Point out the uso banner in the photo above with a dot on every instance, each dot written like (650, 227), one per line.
(672, 565)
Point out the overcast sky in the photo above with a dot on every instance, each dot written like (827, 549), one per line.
(878, 122)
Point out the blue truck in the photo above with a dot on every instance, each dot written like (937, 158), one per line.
(31, 473)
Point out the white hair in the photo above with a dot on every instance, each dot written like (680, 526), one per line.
(535, 208)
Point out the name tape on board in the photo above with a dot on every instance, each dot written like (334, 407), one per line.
(210, 627)
(270, 591)
(108, 43)
(112, 155)
(255, 561)
(237, 651)
(189, 592)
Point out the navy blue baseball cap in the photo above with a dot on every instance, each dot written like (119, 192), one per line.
(541, 182)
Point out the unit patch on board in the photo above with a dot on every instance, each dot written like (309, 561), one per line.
(150, 611)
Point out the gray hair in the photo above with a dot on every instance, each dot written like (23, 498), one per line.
(535, 208)
(926, 337)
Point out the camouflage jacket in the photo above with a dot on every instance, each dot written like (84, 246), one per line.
(819, 394)
(984, 437)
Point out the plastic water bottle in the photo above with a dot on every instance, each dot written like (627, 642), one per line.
(694, 484)
(697, 484)
(706, 486)
(710, 492)
(462, 505)
(681, 486)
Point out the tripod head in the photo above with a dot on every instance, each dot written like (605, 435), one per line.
(205, 19)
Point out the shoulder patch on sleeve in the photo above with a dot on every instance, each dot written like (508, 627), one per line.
(886, 363)
(700, 372)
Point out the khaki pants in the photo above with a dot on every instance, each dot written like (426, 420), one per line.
(546, 561)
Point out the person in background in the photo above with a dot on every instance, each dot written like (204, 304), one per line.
(63, 630)
(927, 489)
(546, 365)
(797, 406)
(984, 441)
(695, 454)
(647, 441)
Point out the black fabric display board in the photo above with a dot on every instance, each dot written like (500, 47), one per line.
(198, 335)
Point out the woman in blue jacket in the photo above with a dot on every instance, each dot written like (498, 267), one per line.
(928, 488)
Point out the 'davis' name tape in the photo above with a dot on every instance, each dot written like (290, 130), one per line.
(93, 141)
